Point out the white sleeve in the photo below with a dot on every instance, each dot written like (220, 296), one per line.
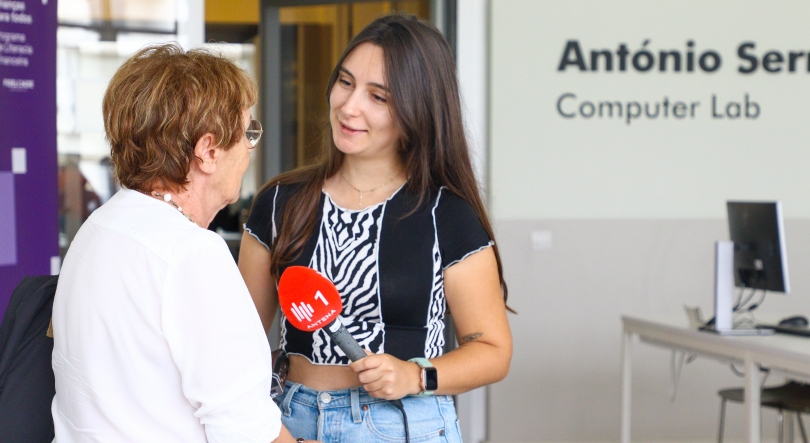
(218, 344)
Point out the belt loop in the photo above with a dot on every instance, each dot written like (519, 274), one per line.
(285, 405)
(355, 392)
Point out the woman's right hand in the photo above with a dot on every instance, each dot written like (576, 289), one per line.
(387, 377)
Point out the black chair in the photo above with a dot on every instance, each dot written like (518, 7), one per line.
(26, 375)
(791, 397)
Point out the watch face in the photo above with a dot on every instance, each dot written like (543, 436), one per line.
(431, 379)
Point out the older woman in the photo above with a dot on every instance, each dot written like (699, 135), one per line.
(156, 338)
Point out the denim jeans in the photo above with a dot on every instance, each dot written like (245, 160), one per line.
(352, 415)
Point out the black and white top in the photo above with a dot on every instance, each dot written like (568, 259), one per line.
(387, 265)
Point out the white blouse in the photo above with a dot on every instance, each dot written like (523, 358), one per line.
(156, 338)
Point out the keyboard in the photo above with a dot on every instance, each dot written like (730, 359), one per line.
(792, 330)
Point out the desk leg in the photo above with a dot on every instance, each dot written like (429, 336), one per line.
(627, 388)
(753, 395)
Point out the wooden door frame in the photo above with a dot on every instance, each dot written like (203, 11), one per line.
(274, 157)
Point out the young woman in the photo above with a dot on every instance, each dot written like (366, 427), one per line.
(393, 216)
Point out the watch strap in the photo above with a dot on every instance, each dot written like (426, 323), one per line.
(423, 363)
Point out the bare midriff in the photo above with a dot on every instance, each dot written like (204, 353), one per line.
(321, 377)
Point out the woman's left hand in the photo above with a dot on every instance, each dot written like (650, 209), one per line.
(387, 377)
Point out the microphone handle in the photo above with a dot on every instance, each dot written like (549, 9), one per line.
(349, 345)
(344, 340)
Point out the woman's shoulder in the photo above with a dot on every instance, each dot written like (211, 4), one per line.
(435, 203)
(181, 242)
(433, 197)
(266, 212)
(459, 227)
(448, 202)
(274, 195)
(272, 190)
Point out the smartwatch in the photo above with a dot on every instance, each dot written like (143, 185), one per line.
(430, 379)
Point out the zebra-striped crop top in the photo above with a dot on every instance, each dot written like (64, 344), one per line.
(388, 269)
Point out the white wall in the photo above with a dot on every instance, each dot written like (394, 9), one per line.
(472, 59)
(662, 168)
(629, 213)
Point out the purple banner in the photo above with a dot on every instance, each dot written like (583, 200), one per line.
(28, 164)
(8, 215)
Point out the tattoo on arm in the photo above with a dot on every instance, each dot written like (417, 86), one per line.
(471, 337)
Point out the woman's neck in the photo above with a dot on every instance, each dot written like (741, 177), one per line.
(367, 173)
(190, 203)
(361, 183)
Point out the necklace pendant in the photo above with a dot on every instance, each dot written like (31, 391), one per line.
(360, 192)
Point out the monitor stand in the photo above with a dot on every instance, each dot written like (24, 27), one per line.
(745, 331)
(724, 293)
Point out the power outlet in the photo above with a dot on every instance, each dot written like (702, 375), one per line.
(541, 240)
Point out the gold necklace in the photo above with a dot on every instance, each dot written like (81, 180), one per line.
(367, 190)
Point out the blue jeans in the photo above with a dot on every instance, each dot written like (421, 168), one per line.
(352, 415)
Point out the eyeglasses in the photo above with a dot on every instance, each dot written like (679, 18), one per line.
(253, 132)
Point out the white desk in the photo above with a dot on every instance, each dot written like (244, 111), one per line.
(785, 353)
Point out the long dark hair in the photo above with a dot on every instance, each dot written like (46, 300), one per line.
(421, 75)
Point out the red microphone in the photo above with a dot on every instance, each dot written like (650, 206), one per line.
(311, 302)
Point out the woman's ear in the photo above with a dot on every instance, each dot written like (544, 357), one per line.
(206, 153)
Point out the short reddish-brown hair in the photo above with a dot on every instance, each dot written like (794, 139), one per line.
(160, 102)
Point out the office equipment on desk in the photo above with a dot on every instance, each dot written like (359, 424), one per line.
(760, 258)
(792, 330)
(795, 325)
(789, 355)
(755, 258)
(796, 321)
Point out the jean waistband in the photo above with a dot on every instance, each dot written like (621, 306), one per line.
(344, 398)
(328, 399)
(353, 398)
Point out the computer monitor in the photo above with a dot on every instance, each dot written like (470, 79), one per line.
(758, 233)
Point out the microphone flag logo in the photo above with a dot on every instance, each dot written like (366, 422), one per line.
(302, 311)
